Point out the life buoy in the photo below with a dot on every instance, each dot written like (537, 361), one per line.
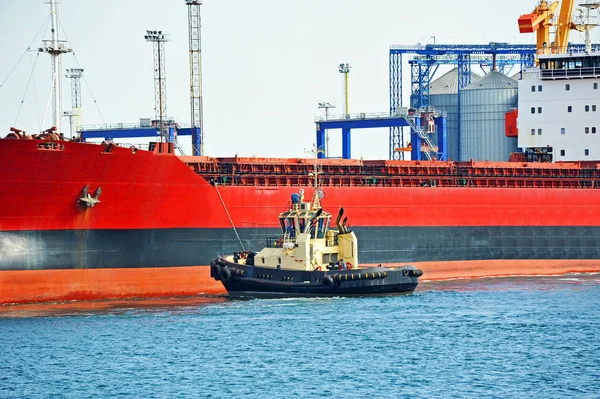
(225, 274)
(328, 281)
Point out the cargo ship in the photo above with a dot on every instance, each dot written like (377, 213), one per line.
(82, 221)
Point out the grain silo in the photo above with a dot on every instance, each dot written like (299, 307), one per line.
(443, 95)
(482, 115)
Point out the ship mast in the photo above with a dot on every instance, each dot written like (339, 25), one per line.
(55, 48)
(315, 174)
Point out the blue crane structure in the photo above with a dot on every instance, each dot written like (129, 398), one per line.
(421, 122)
(425, 62)
(427, 58)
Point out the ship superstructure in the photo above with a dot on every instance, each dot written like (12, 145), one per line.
(559, 107)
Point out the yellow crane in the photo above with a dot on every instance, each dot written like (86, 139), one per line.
(563, 27)
(541, 19)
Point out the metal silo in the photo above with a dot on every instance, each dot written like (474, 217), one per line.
(443, 95)
(482, 114)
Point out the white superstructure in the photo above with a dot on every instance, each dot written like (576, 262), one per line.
(559, 107)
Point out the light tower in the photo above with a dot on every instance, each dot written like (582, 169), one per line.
(194, 26)
(160, 89)
(55, 48)
(345, 69)
(326, 106)
(75, 115)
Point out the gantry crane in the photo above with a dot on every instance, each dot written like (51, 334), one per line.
(541, 19)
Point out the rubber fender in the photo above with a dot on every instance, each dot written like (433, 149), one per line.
(328, 281)
(411, 273)
(225, 274)
(405, 272)
(216, 271)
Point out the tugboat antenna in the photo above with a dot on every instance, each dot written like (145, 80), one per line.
(314, 151)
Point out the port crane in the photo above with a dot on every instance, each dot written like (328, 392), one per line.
(542, 18)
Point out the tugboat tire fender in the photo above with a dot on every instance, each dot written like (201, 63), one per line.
(405, 272)
(328, 281)
(225, 274)
(215, 270)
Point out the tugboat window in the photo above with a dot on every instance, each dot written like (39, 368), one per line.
(567, 87)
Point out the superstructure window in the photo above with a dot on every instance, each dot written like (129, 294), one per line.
(533, 110)
(569, 109)
(533, 132)
(533, 89)
(540, 88)
(587, 108)
(587, 152)
(596, 86)
(563, 130)
(567, 87)
(594, 130)
(539, 132)
(587, 130)
(594, 108)
(539, 110)
(562, 153)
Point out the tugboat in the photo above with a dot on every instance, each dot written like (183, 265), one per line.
(309, 260)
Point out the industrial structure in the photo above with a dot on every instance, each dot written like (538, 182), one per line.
(158, 38)
(344, 69)
(425, 63)
(55, 48)
(75, 114)
(197, 118)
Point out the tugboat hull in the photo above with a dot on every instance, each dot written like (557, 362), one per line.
(255, 282)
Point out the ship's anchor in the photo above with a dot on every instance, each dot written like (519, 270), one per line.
(86, 198)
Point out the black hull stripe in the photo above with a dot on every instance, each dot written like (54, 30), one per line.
(87, 249)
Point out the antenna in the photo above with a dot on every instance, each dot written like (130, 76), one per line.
(314, 151)
(160, 89)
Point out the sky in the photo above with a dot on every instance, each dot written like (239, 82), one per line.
(266, 64)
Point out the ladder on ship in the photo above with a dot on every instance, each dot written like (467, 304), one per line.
(422, 132)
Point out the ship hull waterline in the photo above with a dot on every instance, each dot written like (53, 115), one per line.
(30, 286)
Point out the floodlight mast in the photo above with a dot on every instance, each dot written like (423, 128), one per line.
(160, 89)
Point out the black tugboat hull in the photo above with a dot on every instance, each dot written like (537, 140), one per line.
(254, 282)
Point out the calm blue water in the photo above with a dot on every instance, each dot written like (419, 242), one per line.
(499, 338)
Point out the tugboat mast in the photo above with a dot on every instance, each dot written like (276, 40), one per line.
(55, 48)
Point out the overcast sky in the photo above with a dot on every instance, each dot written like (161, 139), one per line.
(266, 63)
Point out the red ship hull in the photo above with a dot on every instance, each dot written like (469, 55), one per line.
(159, 222)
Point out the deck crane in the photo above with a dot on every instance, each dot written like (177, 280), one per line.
(540, 20)
(563, 27)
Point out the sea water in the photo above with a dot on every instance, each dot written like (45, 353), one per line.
(491, 338)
